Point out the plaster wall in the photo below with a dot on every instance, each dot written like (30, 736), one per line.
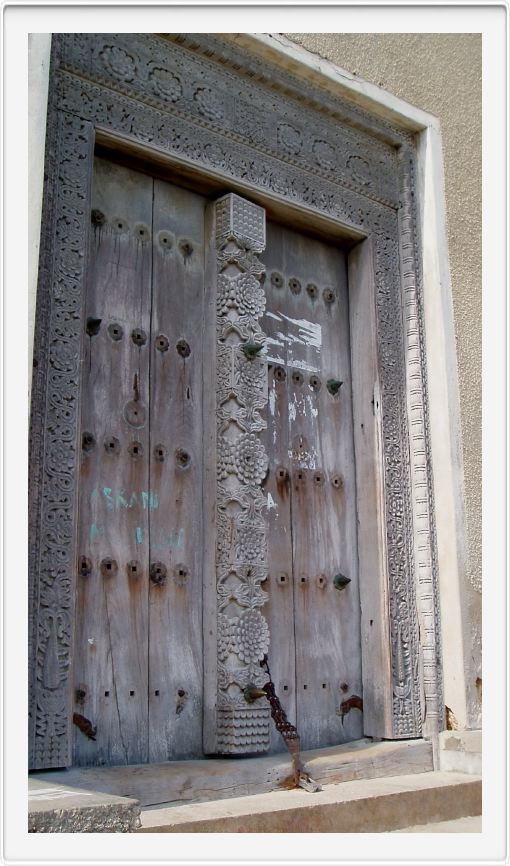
(39, 47)
(441, 73)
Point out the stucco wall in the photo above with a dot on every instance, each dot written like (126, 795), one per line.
(442, 73)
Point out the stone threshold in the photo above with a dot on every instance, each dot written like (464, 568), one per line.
(363, 806)
(176, 782)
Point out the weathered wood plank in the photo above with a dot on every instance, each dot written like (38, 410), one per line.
(219, 778)
(175, 605)
(312, 338)
(277, 488)
(369, 451)
(110, 672)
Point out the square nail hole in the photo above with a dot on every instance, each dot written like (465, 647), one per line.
(131, 693)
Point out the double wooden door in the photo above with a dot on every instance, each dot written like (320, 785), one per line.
(138, 645)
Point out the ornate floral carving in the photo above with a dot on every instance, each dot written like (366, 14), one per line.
(165, 83)
(118, 62)
(324, 153)
(290, 138)
(241, 544)
(250, 636)
(210, 104)
(52, 560)
(243, 293)
(421, 482)
(249, 459)
(360, 170)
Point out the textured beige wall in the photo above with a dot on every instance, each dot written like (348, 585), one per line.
(442, 73)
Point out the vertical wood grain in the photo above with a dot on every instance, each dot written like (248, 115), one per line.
(374, 579)
(280, 588)
(175, 607)
(110, 672)
(314, 343)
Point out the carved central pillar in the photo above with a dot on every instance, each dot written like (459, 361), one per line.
(236, 634)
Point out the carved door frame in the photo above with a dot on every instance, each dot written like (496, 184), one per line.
(200, 107)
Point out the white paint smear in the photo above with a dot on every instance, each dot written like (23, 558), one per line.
(313, 409)
(302, 337)
(308, 334)
(272, 401)
(292, 411)
(270, 502)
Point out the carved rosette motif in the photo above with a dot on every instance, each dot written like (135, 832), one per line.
(242, 462)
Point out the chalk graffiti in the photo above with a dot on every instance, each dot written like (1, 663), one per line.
(116, 500)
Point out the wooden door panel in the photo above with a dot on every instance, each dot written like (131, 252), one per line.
(279, 609)
(139, 645)
(175, 606)
(110, 671)
(308, 337)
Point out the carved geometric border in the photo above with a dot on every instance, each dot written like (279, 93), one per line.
(368, 185)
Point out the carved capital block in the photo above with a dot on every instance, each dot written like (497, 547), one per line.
(240, 220)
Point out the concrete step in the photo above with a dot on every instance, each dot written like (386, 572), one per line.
(54, 808)
(471, 824)
(178, 782)
(364, 806)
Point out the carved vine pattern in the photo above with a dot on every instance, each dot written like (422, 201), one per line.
(237, 126)
(422, 486)
(54, 449)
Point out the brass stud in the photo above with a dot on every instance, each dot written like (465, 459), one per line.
(112, 445)
(158, 573)
(109, 567)
(84, 566)
(183, 348)
(88, 443)
(162, 343)
(182, 458)
(160, 453)
(135, 449)
(139, 337)
(115, 331)
(133, 568)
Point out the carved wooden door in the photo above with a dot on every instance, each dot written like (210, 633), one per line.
(313, 613)
(138, 657)
(138, 635)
